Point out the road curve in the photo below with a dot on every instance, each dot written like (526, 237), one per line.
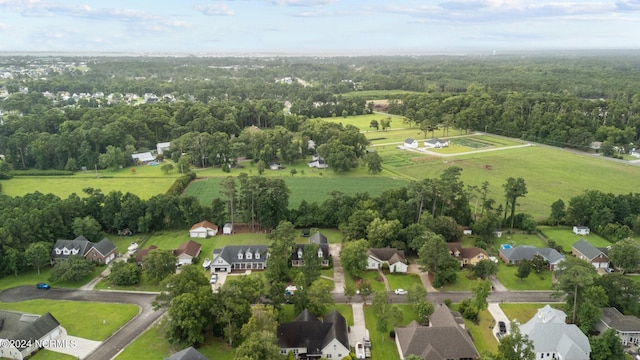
(122, 337)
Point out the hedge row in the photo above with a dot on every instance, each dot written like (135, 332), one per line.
(35, 172)
(181, 183)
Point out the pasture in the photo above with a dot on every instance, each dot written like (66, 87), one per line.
(362, 122)
(311, 189)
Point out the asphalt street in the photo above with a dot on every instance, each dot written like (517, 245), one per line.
(121, 338)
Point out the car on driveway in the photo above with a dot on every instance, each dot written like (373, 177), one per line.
(502, 327)
(214, 278)
(360, 354)
(400, 292)
(43, 286)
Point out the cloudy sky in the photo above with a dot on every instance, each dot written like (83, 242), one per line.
(317, 26)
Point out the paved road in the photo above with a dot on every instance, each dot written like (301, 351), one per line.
(457, 296)
(121, 338)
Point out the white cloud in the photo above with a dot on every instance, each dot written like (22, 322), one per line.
(215, 10)
(4, 26)
(302, 2)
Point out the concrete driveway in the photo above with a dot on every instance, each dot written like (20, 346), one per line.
(498, 315)
(359, 329)
(73, 345)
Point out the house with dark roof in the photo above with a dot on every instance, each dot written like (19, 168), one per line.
(394, 259)
(239, 257)
(187, 252)
(323, 252)
(467, 256)
(318, 238)
(553, 338)
(627, 327)
(597, 257)
(102, 252)
(189, 353)
(17, 328)
(307, 337)
(203, 229)
(516, 254)
(444, 339)
(140, 254)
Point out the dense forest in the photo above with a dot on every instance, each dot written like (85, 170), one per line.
(57, 117)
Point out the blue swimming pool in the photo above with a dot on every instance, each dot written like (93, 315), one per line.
(505, 246)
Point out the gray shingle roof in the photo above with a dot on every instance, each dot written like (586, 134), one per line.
(105, 246)
(549, 333)
(306, 331)
(528, 252)
(444, 339)
(230, 253)
(614, 319)
(187, 354)
(391, 255)
(586, 249)
(318, 238)
(323, 247)
(20, 326)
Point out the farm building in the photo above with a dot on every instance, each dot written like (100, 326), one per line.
(436, 143)
(142, 158)
(162, 147)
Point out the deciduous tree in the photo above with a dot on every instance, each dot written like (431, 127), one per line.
(354, 257)
(435, 258)
(159, 264)
(125, 273)
(516, 346)
(37, 254)
(514, 189)
(74, 269)
(625, 255)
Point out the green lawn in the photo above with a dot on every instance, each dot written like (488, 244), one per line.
(522, 312)
(507, 276)
(564, 236)
(518, 239)
(398, 136)
(44, 354)
(82, 319)
(403, 281)
(362, 121)
(464, 281)
(374, 278)
(311, 189)
(482, 333)
(31, 278)
(383, 347)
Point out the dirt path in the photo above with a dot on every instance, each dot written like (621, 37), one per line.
(384, 279)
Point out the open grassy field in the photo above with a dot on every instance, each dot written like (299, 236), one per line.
(403, 281)
(145, 182)
(507, 276)
(362, 122)
(82, 319)
(522, 312)
(549, 173)
(31, 278)
(311, 189)
(45, 354)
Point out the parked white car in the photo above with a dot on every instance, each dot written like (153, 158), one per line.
(401, 292)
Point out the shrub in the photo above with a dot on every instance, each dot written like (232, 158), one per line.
(125, 273)
(181, 183)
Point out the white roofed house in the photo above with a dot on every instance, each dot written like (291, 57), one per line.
(203, 229)
(162, 147)
(436, 143)
(581, 230)
(142, 158)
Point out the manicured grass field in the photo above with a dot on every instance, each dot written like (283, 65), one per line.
(507, 276)
(311, 189)
(464, 281)
(82, 319)
(383, 347)
(362, 121)
(564, 236)
(550, 173)
(403, 281)
(45, 354)
(518, 239)
(31, 278)
(522, 312)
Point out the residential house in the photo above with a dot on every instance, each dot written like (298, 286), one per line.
(102, 252)
(553, 338)
(627, 327)
(444, 339)
(187, 252)
(140, 254)
(323, 252)
(239, 257)
(227, 229)
(17, 330)
(309, 338)
(142, 158)
(203, 229)
(189, 353)
(436, 143)
(318, 238)
(467, 256)
(516, 254)
(411, 143)
(581, 230)
(598, 257)
(162, 147)
(394, 259)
